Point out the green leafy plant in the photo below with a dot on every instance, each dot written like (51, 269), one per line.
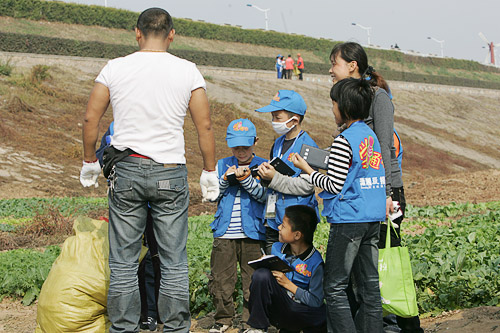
(455, 252)
(22, 272)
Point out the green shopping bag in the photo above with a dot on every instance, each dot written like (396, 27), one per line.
(396, 279)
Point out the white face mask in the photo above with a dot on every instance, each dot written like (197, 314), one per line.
(281, 128)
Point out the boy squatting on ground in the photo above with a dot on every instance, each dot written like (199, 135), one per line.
(354, 204)
(291, 301)
(238, 227)
(288, 110)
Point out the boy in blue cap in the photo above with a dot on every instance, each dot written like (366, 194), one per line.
(239, 223)
(287, 109)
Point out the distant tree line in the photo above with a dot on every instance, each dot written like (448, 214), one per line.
(124, 19)
(12, 42)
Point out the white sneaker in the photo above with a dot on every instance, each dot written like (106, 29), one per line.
(218, 328)
(254, 330)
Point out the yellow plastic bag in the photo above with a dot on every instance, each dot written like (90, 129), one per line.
(73, 297)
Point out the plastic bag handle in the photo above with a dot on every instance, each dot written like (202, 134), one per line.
(388, 233)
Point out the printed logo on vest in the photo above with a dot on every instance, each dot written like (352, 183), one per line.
(369, 157)
(239, 127)
(302, 269)
(368, 183)
(290, 157)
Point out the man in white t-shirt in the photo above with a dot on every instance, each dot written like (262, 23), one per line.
(150, 92)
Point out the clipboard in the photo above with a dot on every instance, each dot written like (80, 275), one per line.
(271, 262)
(315, 157)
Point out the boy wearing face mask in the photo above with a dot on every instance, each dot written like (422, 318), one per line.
(287, 109)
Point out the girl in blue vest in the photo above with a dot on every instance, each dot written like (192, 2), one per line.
(354, 204)
(288, 109)
(238, 227)
(291, 301)
(350, 60)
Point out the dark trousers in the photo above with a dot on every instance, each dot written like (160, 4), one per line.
(149, 275)
(272, 236)
(289, 73)
(271, 305)
(301, 70)
(352, 258)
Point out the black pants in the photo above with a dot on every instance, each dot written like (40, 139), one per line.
(149, 275)
(272, 236)
(270, 305)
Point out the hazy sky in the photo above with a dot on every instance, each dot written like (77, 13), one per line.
(407, 23)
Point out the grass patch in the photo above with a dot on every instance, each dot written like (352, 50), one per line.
(67, 207)
(6, 68)
(454, 258)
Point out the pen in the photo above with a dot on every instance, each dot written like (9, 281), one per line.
(262, 250)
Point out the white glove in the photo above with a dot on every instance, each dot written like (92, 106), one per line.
(89, 173)
(209, 183)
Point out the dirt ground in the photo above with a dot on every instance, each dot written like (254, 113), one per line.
(17, 318)
(451, 154)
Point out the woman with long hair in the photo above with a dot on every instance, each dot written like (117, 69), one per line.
(350, 60)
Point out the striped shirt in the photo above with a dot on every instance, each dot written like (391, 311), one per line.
(338, 165)
(256, 192)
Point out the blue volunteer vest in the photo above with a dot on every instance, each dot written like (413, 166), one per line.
(252, 212)
(362, 198)
(303, 269)
(285, 200)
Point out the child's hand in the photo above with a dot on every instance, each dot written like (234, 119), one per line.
(284, 281)
(280, 278)
(242, 172)
(300, 163)
(266, 171)
(232, 169)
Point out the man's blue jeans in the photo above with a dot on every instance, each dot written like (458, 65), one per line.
(352, 247)
(136, 183)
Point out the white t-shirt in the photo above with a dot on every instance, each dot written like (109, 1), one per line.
(150, 94)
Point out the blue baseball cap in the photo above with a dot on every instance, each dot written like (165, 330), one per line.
(287, 100)
(241, 132)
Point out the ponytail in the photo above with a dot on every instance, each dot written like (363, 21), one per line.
(375, 78)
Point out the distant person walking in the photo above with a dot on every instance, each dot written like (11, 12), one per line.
(283, 71)
(150, 92)
(289, 67)
(279, 68)
(300, 66)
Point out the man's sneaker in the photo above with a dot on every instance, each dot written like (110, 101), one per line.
(218, 328)
(149, 325)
